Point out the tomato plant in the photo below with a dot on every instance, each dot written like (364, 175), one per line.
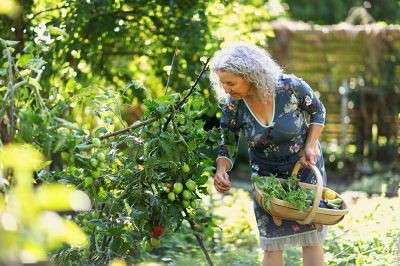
(138, 177)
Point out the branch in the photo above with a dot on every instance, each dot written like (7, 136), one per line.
(170, 71)
(177, 106)
(11, 90)
(199, 239)
(191, 90)
(193, 87)
(48, 10)
(131, 127)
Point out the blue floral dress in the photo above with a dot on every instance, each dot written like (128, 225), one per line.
(274, 149)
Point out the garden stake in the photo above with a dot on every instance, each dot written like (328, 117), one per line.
(199, 240)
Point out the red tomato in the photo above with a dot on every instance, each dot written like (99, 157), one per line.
(158, 230)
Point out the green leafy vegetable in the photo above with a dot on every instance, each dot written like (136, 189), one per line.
(284, 189)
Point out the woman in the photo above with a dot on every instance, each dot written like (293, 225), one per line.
(282, 119)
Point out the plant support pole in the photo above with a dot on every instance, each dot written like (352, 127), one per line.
(11, 90)
(199, 238)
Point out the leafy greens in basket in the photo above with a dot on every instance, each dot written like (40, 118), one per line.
(284, 189)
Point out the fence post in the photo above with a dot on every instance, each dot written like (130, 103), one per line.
(345, 119)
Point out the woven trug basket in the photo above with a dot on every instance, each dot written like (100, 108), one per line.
(313, 214)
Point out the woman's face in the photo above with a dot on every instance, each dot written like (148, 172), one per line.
(237, 87)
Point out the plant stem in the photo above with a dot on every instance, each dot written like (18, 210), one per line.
(199, 238)
(170, 71)
(177, 106)
(131, 127)
(191, 90)
(48, 10)
(11, 89)
(193, 87)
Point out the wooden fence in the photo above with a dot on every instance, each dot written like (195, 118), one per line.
(356, 72)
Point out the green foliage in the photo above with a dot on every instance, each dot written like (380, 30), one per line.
(387, 184)
(30, 226)
(334, 11)
(368, 235)
(128, 176)
(118, 40)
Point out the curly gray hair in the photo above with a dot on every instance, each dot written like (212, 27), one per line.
(247, 61)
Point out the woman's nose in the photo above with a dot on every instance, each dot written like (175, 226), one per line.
(226, 89)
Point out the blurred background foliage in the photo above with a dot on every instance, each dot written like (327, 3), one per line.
(327, 12)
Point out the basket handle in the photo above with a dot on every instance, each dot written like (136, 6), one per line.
(318, 194)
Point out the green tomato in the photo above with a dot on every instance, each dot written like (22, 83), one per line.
(186, 195)
(88, 181)
(181, 119)
(186, 168)
(155, 242)
(170, 128)
(185, 203)
(148, 246)
(63, 131)
(178, 187)
(103, 165)
(171, 196)
(193, 204)
(96, 173)
(96, 142)
(191, 185)
(94, 162)
(156, 124)
(96, 215)
(101, 156)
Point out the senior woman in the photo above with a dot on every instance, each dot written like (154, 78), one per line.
(281, 118)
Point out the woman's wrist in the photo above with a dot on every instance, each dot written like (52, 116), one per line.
(223, 164)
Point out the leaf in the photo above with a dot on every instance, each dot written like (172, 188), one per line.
(151, 104)
(102, 193)
(36, 63)
(70, 85)
(208, 168)
(202, 180)
(8, 43)
(57, 31)
(101, 130)
(35, 84)
(67, 124)
(169, 99)
(64, 181)
(84, 147)
(60, 143)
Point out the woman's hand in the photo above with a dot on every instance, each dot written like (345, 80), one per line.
(309, 156)
(221, 181)
(311, 148)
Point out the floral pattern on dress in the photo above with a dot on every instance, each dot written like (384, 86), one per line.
(292, 105)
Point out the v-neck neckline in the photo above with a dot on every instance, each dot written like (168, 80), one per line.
(256, 118)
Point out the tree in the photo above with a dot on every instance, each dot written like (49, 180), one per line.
(331, 12)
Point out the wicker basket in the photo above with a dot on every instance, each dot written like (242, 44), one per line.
(313, 214)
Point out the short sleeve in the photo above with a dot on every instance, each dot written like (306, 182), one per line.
(309, 102)
(230, 132)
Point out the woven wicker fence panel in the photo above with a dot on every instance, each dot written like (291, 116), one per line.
(353, 69)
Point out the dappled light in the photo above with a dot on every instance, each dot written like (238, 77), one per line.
(120, 128)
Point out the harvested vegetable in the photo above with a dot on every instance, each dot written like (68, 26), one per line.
(286, 189)
(329, 194)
